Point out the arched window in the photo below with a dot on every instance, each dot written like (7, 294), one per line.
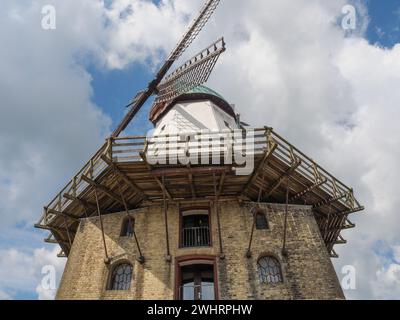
(127, 227)
(121, 277)
(261, 220)
(269, 270)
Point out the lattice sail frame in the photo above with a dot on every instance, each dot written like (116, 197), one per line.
(191, 74)
(206, 12)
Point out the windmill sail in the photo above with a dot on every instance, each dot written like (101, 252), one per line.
(195, 28)
(192, 73)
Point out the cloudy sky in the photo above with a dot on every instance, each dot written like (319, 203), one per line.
(334, 93)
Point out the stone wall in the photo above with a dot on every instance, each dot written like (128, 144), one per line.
(307, 270)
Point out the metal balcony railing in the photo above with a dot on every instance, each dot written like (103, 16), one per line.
(195, 237)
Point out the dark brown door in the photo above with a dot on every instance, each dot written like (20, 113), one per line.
(197, 282)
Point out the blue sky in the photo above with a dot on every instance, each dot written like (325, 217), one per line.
(384, 27)
(111, 88)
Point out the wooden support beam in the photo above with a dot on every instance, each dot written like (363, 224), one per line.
(308, 190)
(161, 185)
(61, 254)
(191, 183)
(284, 250)
(168, 172)
(340, 240)
(168, 257)
(107, 259)
(343, 227)
(221, 183)
(124, 177)
(333, 254)
(216, 206)
(102, 188)
(248, 253)
(329, 201)
(347, 212)
(283, 178)
(349, 224)
(260, 167)
(62, 214)
(55, 241)
(49, 228)
(82, 202)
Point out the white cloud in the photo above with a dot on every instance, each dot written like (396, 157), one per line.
(4, 296)
(48, 124)
(22, 272)
(288, 65)
(388, 285)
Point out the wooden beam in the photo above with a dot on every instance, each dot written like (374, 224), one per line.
(343, 227)
(221, 183)
(216, 206)
(329, 201)
(168, 172)
(102, 188)
(165, 210)
(349, 225)
(62, 214)
(347, 212)
(308, 190)
(55, 241)
(260, 167)
(124, 177)
(191, 183)
(61, 254)
(340, 240)
(161, 185)
(82, 202)
(283, 178)
(107, 260)
(49, 228)
(333, 254)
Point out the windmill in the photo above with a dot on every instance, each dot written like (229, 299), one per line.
(192, 73)
(144, 208)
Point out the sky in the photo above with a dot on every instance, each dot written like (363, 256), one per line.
(290, 65)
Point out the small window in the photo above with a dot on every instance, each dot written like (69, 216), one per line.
(269, 270)
(127, 227)
(121, 277)
(261, 220)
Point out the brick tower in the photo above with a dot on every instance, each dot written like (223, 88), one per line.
(201, 209)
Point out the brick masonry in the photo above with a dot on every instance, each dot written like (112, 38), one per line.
(307, 270)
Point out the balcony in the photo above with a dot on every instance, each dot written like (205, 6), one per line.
(195, 237)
